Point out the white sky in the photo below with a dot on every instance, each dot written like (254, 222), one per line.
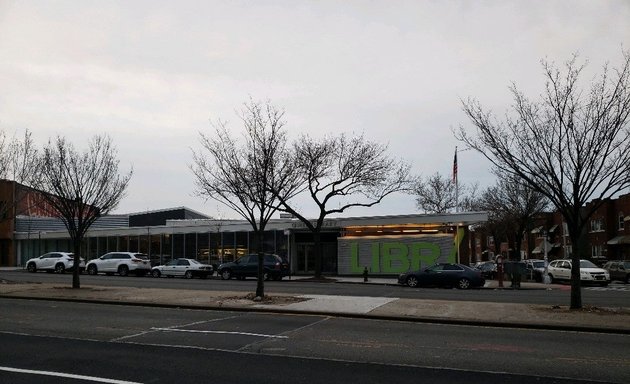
(152, 73)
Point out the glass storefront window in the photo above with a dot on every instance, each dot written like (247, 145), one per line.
(155, 253)
(178, 246)
(216, 257)
(112, 244)
(227, 246)
(167, 246)
(133, 244)
(281, 245)
(190, 246)
(102, 246)
(203, 247)
(123, 243)
(144, 244)
(93, 249)
(270, 242)
(242, 244)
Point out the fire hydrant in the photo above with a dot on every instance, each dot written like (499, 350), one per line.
(365, 274)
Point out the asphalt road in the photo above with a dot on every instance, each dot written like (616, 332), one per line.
(47, 341)
(616, 295)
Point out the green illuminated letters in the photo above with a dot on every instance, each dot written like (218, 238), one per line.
(393, 252)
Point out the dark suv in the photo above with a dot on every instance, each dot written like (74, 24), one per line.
(247, 266)
(619, 270)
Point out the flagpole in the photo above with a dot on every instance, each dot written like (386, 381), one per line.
(455, 179)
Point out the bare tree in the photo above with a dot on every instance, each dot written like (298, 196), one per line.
(18, 162)
(512, 205)
(341, 173)
(80, 187)
(437, 194)
(570, 145)
(237, 175)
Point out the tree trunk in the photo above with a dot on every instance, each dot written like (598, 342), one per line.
(76, 271)
(260, 285)
(319, 255)
(576, 284)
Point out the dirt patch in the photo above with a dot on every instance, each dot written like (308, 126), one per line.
(270, 300)
(586, 309)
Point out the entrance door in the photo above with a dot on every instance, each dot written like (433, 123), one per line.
(305, 258)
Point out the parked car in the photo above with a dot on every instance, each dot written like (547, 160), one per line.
(247, 266)
(54, 262)
(535, 269)
(488, 269)
(619, 270)
(187, 268)
(122, 263)
(444, 275)
(560, 270)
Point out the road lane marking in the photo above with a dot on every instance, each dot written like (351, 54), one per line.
(67, 375)
(221, 332)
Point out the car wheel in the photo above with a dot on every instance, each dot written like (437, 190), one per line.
(463, 283)
(59, 268)
(266, 276)
(226, 274)
(188, 275)
(155, 273)
(553, 281)
(123, 270)
(92, 270)
(31, 267)
(412, 281)
(277, 277)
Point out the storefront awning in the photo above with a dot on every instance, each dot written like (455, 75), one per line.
(619, 240)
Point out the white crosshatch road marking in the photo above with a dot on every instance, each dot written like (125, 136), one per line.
(67, 375)
(220, 332)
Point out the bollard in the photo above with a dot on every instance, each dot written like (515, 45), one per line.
(365, 274)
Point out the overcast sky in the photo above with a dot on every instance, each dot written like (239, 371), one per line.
(152, 74)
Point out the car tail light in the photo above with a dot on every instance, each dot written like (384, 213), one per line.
(277, 266)
(136, 261)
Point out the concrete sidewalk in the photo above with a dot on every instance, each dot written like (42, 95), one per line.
(609, 320)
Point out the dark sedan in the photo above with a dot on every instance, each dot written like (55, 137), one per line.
(444, 275)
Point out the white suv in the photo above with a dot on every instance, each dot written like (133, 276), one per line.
(54, 261)
(120, 262)
(589, 272)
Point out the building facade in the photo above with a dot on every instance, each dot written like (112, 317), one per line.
(386, 245)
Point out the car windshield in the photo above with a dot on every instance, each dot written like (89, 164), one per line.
(193, 261)
(587, 264)
(539, 264)
(626, 264)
